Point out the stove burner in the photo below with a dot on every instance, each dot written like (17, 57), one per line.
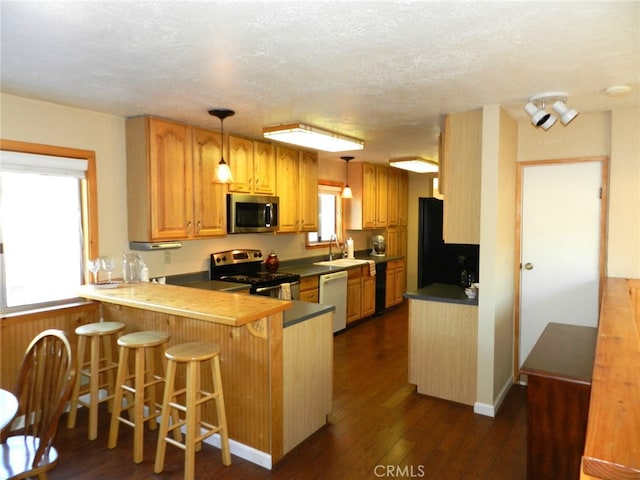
(245, 266)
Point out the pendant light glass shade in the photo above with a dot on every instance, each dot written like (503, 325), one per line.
(346, 191)
(223, 172)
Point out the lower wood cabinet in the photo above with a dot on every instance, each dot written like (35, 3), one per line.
(354, 294)
(395, 284)
(309, 289)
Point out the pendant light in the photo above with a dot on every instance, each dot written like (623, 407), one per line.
(223, 172)
(346, 191)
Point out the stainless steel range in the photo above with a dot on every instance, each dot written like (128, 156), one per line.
(245, 266)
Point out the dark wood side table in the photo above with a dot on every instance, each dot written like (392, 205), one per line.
(559, 370)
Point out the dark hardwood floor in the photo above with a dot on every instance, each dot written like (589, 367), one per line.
(379, 428)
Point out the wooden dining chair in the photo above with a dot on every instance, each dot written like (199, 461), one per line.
(43, 387)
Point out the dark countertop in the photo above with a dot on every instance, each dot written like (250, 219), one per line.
(306, 268)
(564, 352)
(301, 311)
(441, 292)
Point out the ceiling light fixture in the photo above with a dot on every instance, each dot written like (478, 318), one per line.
(312, 137)
(541, 118)
(415, 164)
(346, 191)
(223, 172)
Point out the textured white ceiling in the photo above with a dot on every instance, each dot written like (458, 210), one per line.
(384, 71)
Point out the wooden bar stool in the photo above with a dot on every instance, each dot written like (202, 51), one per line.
(142, 381)
(193, 355)
(101, 366)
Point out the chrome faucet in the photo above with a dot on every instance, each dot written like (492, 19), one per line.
(332, 237)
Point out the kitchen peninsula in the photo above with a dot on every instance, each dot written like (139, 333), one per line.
(443, 342)
(277, 381)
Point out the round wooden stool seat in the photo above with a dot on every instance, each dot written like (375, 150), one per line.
(99, 328)
(99, 370)
(139, 387)
(192, 352)
(145, 339)
(187, 414)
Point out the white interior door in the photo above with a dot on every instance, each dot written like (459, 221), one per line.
(560, 245)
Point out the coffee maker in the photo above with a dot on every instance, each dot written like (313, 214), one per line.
(378, 246)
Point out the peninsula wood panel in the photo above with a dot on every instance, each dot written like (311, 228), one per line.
(308, 377)
(443, 349)
(613, 429)
(17, 331)
(251, 369)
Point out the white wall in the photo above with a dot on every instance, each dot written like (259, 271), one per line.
(613, 134)
(624, 195)
(497, 246)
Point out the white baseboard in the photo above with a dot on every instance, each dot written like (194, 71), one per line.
(491, 410)
(241, 450)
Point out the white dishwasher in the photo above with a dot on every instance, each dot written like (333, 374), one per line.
(333, 291)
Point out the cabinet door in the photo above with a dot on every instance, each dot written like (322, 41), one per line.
(264, 164)
(308, 192)
(354, 298)
(393, 178)
(369, 196)
(241, 164)
(463, 158)
(287, 188)
(171, 195)
(403, 198)
(208, 196)
(381, 196)
(368, 293)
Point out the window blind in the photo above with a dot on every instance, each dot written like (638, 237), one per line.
(18, 162)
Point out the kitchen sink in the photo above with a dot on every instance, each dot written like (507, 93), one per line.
(342, 262)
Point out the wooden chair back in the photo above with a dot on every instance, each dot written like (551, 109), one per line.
(43, 387)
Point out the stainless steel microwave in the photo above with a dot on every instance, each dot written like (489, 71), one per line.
(251, 213)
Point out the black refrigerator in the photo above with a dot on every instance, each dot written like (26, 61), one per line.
(439, 262)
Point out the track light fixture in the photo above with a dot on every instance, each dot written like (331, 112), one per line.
(541, 118)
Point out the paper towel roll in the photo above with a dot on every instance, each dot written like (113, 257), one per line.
(350, 248)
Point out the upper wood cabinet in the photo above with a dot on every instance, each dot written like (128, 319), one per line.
(403, 198)
(170, 195)
(462, 154)
(297, 187)
(209, 209)
(252, 165)
(308, 196)
(368, 207)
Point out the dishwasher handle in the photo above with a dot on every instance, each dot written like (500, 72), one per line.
(330, 277)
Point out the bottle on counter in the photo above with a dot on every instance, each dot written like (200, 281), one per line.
(272, 262)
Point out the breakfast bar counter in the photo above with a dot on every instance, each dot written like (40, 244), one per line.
(208, 305)
(272, 376)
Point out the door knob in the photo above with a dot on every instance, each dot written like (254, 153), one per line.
(528, 266)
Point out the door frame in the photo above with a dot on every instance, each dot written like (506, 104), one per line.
(604, 208)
